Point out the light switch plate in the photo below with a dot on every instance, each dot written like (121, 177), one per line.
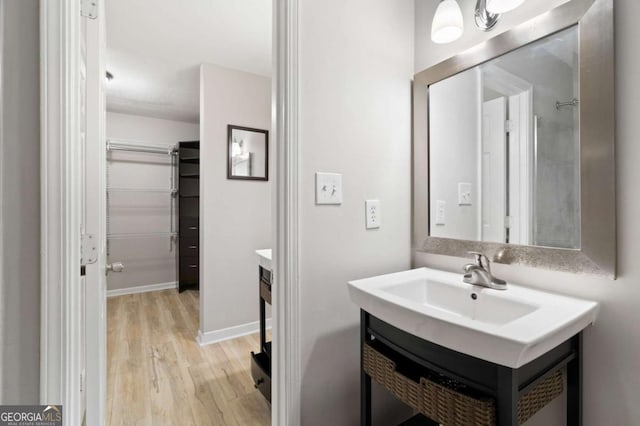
(464, 194)
(328, 188)
(373, 214)
(441, 207)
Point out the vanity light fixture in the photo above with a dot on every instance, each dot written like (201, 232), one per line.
(502, 6)
(485, 20)
(447, 23)
(488, 12)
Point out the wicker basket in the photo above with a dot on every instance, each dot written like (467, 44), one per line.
(446, 405)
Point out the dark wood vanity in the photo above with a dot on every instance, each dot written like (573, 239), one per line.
(261, 361)
(406, 365)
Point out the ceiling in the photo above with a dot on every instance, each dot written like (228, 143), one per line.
(155, 47)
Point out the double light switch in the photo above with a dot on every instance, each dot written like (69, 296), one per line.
(328, 188)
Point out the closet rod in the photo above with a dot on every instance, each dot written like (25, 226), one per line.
(115, 145)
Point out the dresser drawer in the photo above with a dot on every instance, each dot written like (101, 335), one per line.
(189, 268)
(261, 373)
(189, 227)
(189, 246)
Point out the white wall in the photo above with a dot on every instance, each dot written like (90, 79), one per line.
(20, 203)
(455, 110)
(147, 260)
(356, 67)
(235, 214)
(612, 346)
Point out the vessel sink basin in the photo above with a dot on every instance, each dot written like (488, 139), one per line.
(508, 327)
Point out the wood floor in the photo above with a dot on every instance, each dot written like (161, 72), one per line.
(158, 375)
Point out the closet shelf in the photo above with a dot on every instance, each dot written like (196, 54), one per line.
(124, 145)
(159, 190)
(141, 235)
(190, 159)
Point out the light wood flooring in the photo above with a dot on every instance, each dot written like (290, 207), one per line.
(158, 375)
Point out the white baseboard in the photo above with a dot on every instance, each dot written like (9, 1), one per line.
(216, 336)
(141, 289)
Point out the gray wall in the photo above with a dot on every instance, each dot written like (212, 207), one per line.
(20, 210)
(356, 67)
(235, 215)
(147, 260)
(612, 346)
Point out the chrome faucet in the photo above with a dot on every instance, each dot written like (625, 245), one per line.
(479, 273)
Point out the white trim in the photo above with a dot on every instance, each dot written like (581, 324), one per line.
(480, 82)
(504, 82)
(2, 308)
(286, 362)
(141, 289)
(216, 336)
(521, 154)
(60, 207)
(95, 221)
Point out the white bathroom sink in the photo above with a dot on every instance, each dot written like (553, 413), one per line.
(264, 258)
(508, 327)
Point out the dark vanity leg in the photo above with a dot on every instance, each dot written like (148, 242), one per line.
(263, 331)
(365, 380)
(507, 412)
(574, 385)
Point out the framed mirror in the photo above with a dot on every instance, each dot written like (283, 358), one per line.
(514, 145)
(248, 153)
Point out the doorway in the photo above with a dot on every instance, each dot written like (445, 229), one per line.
(182, 308)
(61, 28)
(507, 156)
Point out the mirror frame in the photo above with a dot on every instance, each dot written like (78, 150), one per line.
(597, 254)
(230, 175)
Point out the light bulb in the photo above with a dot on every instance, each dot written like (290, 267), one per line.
(502, 6)
(447, 23)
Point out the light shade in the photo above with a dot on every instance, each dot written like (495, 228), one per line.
(447, 23)
(502, 6)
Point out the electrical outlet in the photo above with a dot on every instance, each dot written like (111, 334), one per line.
(373, 214)
(328, 188)
(464, 194)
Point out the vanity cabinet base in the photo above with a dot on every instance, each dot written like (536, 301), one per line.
(457, 389)
(419, 420)
(261, 362)
(261, 373)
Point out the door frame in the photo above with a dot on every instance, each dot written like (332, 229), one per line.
(60, 34)
(287, 359)
(96, 221)
(60, 334)
(502, 164)
(521, 155)
(519, 93)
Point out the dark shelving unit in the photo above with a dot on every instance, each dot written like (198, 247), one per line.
(188, 215)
